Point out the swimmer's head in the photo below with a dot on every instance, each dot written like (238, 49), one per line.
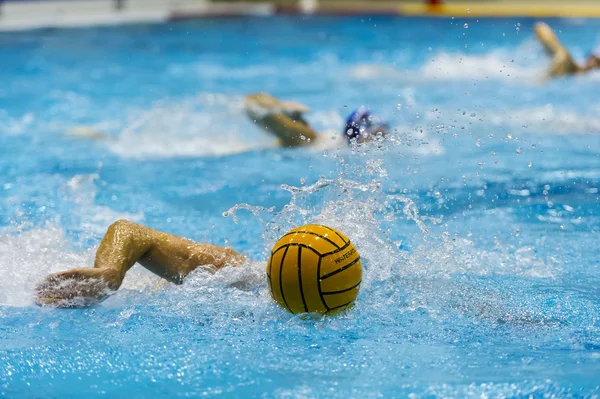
(592, 62)
(363, 126)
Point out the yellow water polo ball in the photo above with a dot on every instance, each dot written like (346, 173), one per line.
(314, 268)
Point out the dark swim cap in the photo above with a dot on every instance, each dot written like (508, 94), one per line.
(363, 123)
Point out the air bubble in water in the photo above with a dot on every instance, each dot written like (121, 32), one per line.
(466, 25)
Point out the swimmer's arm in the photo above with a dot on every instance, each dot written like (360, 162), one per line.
(290, 132)
(126, 243)
(548, 39)
(562, 64)
(283, 119)
(562, 61)
(164, 254)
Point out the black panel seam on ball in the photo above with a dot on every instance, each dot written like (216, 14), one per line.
(341, 306)
(335, 231)
(281, 280)
(269, 275)
(295, 244)
(300, 278)
(344, 290)
(314, 234)
(319, 285)
(341, 269)
(346, 245)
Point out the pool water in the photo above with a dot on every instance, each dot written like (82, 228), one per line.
(477, 220)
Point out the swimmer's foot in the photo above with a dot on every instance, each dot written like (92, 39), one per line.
(76, 288)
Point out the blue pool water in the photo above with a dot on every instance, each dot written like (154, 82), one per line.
(478, 221)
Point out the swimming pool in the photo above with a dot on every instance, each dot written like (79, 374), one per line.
(477, 222)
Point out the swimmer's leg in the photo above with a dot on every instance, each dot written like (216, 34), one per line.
(125, 243)
(283, 119)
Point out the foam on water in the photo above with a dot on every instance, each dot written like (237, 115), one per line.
(493, 65)
(546, 118)
(29, 252)
(445, 66)
(208, 124)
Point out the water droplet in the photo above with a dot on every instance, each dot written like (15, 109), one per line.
(399, 107)
(466, 25)
(530, 164)
(473, 114)
(519, 150)
(468, 10)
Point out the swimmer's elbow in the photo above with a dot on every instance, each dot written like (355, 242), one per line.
(121, 225)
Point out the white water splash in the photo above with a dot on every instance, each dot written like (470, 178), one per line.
(81, 190)
(360, 210)
(208, 125)
(445, 66)
(493, 65)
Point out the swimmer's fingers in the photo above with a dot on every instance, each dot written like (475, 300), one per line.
(76, 288)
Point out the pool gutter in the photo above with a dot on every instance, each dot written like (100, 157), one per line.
(31, 14)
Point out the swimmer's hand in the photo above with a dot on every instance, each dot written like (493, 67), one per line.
(77, 287)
